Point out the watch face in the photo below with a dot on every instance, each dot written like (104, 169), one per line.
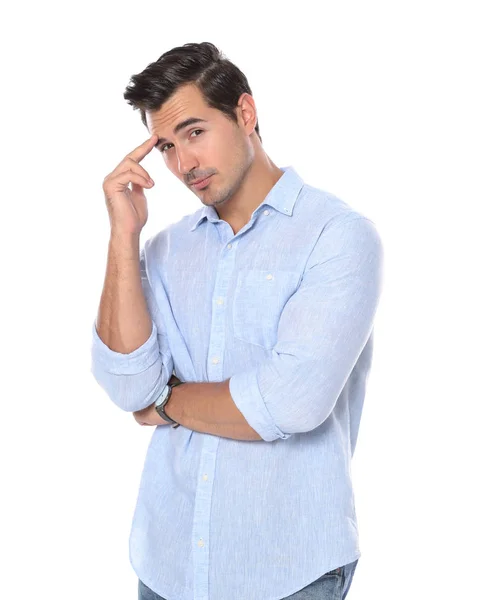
(162, 396)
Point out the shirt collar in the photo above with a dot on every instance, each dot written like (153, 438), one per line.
(282, 196)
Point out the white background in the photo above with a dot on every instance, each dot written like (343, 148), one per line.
(375, 102)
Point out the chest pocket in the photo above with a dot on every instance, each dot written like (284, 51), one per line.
(257, 304)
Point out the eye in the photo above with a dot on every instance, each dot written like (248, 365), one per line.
(163, 148)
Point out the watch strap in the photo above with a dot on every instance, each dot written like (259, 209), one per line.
(160, 407)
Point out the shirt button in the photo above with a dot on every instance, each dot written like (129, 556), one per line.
(266, 212)
(201, 543)
(269, 276)
(215, 360)
(220, 300)
(229, 245)
(205, 476)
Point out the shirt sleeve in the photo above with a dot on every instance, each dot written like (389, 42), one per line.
(322, 330)
(134, 380)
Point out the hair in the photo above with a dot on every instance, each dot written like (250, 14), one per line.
(220, 82)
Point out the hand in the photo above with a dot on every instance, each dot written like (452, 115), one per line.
(127, 208)
(149, 415)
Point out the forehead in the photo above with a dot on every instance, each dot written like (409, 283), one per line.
(186, 102)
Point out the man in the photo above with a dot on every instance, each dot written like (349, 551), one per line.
(262, 302)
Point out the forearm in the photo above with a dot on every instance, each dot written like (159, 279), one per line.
(209, 408)
(123, 322)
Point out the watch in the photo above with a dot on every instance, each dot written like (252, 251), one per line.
(162, 400)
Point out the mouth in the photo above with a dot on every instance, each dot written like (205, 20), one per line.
(201, 184)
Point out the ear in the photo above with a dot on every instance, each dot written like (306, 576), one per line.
(246, 112)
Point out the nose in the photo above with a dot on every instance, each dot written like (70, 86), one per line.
(186, 161)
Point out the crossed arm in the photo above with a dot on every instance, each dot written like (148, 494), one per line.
(204, 407)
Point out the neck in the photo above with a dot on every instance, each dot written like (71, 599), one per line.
(260, 179)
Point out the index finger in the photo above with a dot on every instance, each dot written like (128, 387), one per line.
(144, 149)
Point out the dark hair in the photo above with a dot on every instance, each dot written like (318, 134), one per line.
(217, 78)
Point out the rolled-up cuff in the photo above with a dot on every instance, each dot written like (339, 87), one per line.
(125, 364)
(245, 392)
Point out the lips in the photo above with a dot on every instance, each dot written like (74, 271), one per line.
(202, 184)
(200, 180)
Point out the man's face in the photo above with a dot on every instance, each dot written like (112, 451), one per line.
(216, 146)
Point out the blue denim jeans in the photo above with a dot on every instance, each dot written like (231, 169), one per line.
(334, 585)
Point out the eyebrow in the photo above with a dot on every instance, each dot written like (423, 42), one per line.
(180, 126)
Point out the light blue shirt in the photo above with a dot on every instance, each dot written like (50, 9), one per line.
(285, 309)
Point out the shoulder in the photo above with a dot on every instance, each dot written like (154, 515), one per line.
(332, 218)
(158, 244)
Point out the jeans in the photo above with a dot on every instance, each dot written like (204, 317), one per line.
(333, 585)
